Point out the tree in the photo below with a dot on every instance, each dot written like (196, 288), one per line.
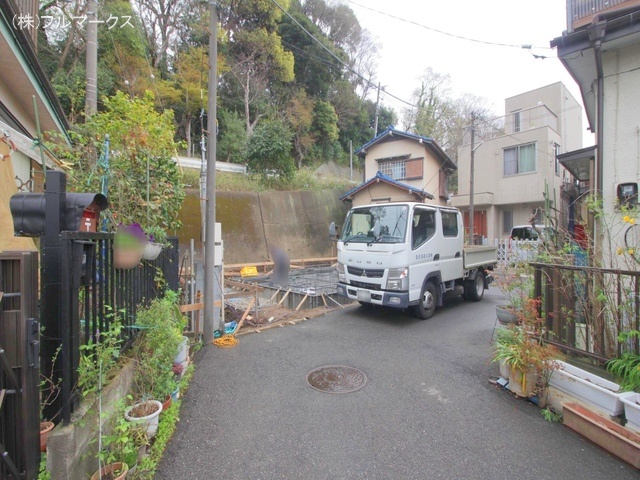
(233, 139)
(140, 139)
(258, 59)
(325, 127)
(269, 150)
(432, 101)
(299, 115)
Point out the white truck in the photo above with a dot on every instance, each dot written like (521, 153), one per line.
(409, 255)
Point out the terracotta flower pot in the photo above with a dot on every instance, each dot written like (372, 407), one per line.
(167, 403)
(45, 428)
(113, 471)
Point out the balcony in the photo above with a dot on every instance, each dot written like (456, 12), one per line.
(581, 12)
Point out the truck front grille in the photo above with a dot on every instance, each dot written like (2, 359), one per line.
(366, 273)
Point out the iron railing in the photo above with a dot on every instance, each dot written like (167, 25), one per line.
(92, 294)
(589, 311)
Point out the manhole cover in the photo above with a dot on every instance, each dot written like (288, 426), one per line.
(336, 379)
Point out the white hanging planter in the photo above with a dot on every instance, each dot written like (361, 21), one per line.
(152, 250)
(588, 387)
(631, 401)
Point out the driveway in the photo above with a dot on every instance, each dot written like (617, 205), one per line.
(428, 409)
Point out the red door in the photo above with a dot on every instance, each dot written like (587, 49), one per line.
(479, 225)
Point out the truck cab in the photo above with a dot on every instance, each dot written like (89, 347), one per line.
(408, 255)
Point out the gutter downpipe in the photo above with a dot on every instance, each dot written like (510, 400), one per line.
(597, 34)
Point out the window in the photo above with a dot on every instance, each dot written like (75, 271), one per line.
(516, 122)
(507, 221)
(396, 169)
(424, 227)
(557, 162)
(520, 159)
(449, 224)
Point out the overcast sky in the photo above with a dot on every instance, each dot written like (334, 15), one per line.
(490, 71)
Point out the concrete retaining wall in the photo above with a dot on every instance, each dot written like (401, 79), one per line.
(297, 221)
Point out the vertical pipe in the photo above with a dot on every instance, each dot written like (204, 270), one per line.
(471, 175)
(210, 324)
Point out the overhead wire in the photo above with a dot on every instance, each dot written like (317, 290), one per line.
(453, 35)
(345, 65)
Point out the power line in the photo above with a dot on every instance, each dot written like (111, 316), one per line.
(453, 35)
(367, 81)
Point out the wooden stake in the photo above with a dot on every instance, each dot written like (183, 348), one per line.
(244, 316)
(301, 302)
(284, 297)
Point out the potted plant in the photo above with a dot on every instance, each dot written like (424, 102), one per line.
(145, 413)
(120, 445)
(128, 246)
(156, 241)
(529, 359)
(517, 285)
(627, 369)
(506, 338)
(161, 325)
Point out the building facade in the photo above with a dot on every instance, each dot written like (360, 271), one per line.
(402, 166)
(516, 174)
(601, 51)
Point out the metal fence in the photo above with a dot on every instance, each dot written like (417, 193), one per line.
(92, 294)
(19, 368)
(589, 311)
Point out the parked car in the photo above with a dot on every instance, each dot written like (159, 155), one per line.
(525, 232)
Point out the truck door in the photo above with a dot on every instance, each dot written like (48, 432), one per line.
(424, 247)
(451, 247)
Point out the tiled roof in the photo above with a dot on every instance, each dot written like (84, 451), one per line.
(380, 177)
(429, 142)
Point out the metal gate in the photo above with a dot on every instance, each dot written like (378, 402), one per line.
(19, 366)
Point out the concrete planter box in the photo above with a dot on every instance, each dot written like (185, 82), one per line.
(587, 387)
(631, 402)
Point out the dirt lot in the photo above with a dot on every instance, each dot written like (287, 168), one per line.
(270, 316)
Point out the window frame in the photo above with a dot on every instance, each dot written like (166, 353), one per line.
(518, 148)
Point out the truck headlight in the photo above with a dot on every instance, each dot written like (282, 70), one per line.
(398, 279)
(341, 273)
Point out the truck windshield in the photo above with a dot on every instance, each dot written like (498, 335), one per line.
(381, 223)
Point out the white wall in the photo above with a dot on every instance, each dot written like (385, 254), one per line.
(621, 143)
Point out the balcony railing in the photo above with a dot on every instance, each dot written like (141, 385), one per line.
(580, 12)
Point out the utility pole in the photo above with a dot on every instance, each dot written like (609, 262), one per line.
(473, 154)
(350, 160)
(209, 326)
(91, 93)
(375, 124)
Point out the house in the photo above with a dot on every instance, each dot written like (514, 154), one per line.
(27, 102)
(402, 166)
(601, 51)
(516, 166)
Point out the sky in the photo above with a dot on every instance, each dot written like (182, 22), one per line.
(489, 71)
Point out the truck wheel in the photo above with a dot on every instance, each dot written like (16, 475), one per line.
(475, 288)
(427, 305)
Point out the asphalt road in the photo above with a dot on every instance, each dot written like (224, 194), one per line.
(428, 410)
